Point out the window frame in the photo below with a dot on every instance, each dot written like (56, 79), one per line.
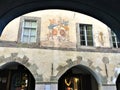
(86, 40)
(116, 40)
(20, 32)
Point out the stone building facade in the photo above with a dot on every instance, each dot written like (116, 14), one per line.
(53, 43)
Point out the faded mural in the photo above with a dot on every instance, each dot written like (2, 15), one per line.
(58, 35)
(58, 30)
(101, 38)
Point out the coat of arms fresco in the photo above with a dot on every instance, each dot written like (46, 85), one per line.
(58, 29)
(58, 33)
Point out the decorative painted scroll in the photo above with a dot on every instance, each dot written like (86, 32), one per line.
(101, 38)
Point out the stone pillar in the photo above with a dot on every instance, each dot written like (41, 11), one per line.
(39, 87)
(100, 87)
(54, 86)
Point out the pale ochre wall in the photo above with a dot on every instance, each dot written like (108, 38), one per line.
(43, 58)
(11, 30)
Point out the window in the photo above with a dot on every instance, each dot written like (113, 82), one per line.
(29, 30)
(86, 36)
(115, 41)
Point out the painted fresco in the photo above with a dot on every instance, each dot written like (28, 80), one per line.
(101, 38)
(58, 30)
(58, 34)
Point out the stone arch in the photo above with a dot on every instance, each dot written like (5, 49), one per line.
(11, 63)
(96, 76)
(83, 7)
(86, 70)
(87, 65)
(17, 76)
(14, 57)
(118, 82)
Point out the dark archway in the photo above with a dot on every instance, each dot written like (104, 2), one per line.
(118, 82)
(15, 76)
(78, 78)
(83, 6)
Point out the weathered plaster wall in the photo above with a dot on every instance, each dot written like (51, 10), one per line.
(48, 64)
(48, 17)
(40, 62)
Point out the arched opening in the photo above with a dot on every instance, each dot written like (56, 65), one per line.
(78, 78)
(85, 7)
(15, 76)
(118, 82)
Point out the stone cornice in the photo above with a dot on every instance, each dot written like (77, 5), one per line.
(14, 44)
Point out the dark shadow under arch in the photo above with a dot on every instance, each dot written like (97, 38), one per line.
(118, 82)
(82, 7)
(15, 76)
(88, 78)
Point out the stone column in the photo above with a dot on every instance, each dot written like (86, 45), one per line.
(100, 87)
